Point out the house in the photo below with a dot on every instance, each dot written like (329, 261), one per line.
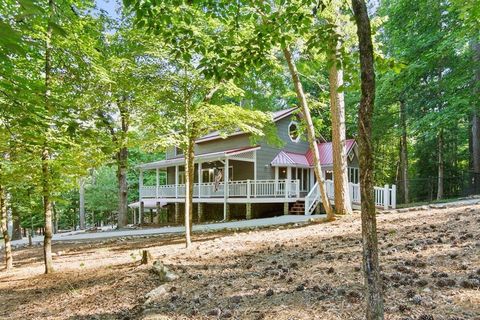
(237, 180)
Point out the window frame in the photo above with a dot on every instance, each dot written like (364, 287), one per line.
(298, 133)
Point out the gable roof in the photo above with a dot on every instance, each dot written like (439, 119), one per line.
(277, 115)
(325, 151)
(286, 158)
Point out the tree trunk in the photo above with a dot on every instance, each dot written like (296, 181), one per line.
(4, 229)
(476, 121)
(403, 154)
(310, 132)
(17, 228)
(189, 176)
(47, 203)
(122, 187)
(123, 167)
(371, 269)
(81, 183)
(337, 110)
(440, 166)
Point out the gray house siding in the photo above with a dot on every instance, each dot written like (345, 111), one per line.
(267, 152)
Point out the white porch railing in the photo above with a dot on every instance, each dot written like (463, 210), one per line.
(240, 189)
(385, 197)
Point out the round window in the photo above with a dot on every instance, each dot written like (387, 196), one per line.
(293, 132)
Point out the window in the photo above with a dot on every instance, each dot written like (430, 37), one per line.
(293, 131)
(177, 151)
(353, 175)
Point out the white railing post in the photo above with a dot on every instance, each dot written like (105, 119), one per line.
(286, 188)
(157, 182)
(350, 191)
(386, 194)
(200, 179)
(394, 196)
(176, 181)
(140, 184)
(248, 189)
(298, 188)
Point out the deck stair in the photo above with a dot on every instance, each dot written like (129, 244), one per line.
(297, 208)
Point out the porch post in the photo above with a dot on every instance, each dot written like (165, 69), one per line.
(312, 178)
(255, 171)
(140, 184)
(248, 214)
(142, 211)
(159, 213)
(177, 212)
(394, 196)
(200, 179)
(200, 212)
(225, 189)
(285, 208)
(386, 197)
(157, 182)
(276, 180)
(287, 182)
(176, 181)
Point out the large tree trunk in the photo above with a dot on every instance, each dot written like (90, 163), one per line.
(403, 154)
(123, 167)
(189, 176)
(81, 183)
(476, 121)
(337, 110)
(310, 132)
(4, 230)
(371, 269)
(47, 203)
(440, 166)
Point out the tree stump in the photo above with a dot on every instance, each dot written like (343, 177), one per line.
(147, 257)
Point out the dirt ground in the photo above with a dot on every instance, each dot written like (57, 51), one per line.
(430, 263)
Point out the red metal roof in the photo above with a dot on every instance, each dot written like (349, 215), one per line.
(326, 152)
(286, 158)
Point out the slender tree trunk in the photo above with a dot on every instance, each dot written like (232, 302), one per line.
(337, 110)
(403, 154)
(123, 167)
(17, 228)
(371, 269)
(55, 218)
(310, 132)
(47, 203)
(189, 176)
(4, 229)
(475, 136)
(440, 166)
(81, 183)
(122, 187)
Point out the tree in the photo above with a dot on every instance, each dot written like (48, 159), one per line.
(337, 110)
(4, 229)
(371, 268)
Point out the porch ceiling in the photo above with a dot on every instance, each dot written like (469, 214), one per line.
(234, 154)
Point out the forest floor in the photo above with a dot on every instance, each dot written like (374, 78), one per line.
(430, 264)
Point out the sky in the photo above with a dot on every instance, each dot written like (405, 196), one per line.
(109, 6)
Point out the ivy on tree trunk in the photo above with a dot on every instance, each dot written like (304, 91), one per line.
(371, 269)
